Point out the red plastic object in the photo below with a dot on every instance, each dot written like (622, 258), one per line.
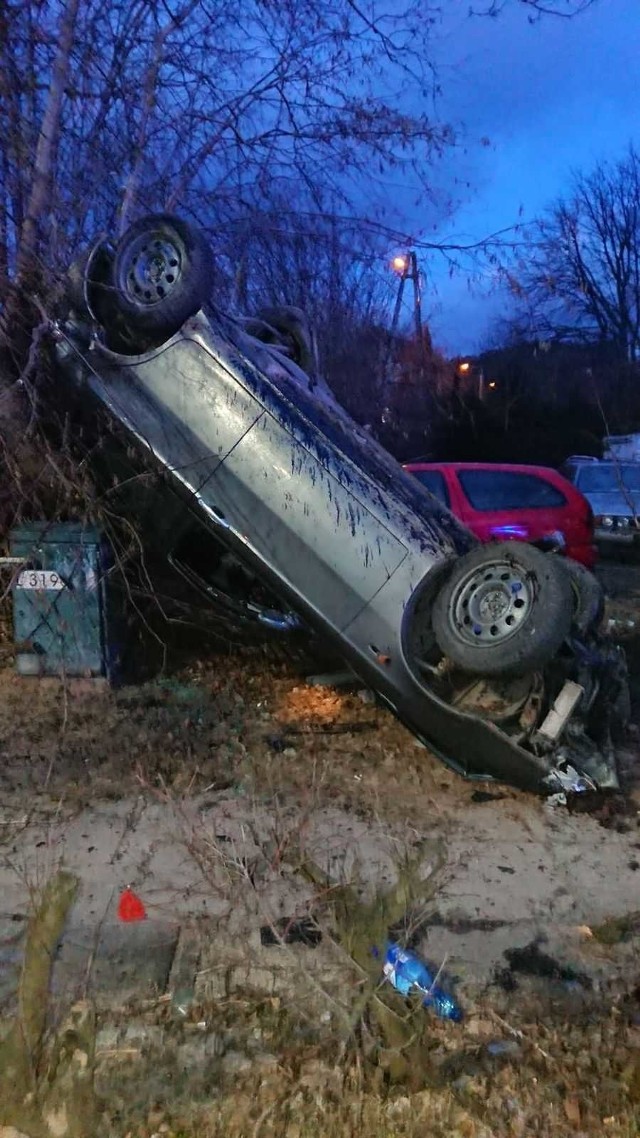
(130, 907)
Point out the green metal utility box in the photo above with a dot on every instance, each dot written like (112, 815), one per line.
(59, 600)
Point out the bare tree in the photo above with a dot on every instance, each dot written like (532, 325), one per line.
(209, 106)
(39, 198)
(182, 103)
(578, 275)
(537, 8)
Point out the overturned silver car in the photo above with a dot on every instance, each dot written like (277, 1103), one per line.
(491, 655)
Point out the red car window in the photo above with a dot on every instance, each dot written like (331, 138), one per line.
(434, 482)
(508, 490)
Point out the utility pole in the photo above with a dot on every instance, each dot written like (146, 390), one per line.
(406, 266)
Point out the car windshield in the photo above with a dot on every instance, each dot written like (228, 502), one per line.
(604, 478)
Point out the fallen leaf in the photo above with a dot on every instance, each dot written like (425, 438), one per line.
(572, 1109)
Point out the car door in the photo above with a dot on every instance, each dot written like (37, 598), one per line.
(180, 405)
(303, 520)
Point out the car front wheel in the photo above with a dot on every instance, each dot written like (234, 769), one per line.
(504, 610)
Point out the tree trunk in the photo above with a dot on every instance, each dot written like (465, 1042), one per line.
(14, 327)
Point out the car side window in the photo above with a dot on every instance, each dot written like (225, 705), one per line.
(434, 482)
(508, 490)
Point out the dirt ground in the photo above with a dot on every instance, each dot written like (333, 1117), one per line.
(533, 911)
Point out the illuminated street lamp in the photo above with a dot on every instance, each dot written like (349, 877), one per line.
(406, 267)
(464, 367)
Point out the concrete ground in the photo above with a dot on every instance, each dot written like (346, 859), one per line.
(509, 871)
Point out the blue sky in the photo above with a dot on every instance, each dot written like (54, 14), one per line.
(550, 97)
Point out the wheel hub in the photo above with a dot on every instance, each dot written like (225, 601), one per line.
(154, 269)
(491, 603)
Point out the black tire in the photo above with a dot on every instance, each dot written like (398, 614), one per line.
(292, 325)
(588, 596)
(86, 285)
(505, 609)
(162, 275)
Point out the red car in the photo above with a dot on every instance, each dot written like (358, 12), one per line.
(502, 502)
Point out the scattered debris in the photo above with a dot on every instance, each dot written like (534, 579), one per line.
(281, 742)
(560, 713)
(612, 809)
(486, 796)
(366, 696)
(460, 1068)
(181, 983)
(130, 907)
(619, 625)
(287, 931)
(333, 680)
(408, 974)
(503, 1047)
(276, 743)
(462, 925)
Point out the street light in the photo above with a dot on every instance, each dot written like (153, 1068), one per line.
(464, 367)
(406, 267)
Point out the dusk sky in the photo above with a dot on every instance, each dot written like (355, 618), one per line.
(550, 97)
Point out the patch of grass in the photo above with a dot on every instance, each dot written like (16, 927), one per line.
(522, 1100)
(617, 929)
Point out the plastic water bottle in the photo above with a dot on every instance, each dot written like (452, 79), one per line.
(408, 974)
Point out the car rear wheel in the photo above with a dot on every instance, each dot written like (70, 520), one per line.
(504, 610)
(292, 327)
(162, 274)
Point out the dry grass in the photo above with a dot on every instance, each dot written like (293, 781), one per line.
(577, 1084)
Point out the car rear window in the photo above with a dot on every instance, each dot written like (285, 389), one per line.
(434, 482)
(601, 479)
(508, 490)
